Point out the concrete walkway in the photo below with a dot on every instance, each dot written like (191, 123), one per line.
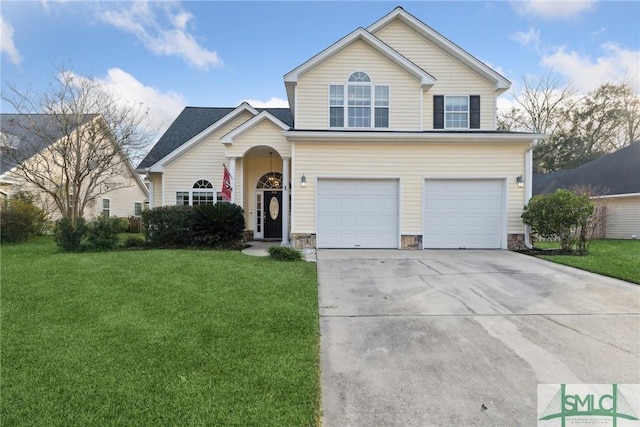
(426, 338)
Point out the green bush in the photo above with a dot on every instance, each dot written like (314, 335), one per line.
(168, 226)
(20, 219)
(217, 226)
(135, 242)
(103, 232)
(560, 215)
(70, 237)
(284, 253)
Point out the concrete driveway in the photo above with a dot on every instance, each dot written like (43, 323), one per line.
(425, 338)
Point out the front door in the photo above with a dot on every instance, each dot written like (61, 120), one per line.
(272, 214)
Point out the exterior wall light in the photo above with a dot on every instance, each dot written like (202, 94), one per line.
(520, 181)
(303, 180)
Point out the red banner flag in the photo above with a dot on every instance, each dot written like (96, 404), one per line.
(226, 184)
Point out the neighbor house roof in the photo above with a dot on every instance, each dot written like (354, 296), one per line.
(614, 174)
(17, 131)
(191, 122)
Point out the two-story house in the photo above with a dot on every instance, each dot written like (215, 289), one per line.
(390, 141)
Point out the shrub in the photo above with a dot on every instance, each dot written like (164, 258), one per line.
(217, 226)
(20, 219)
(561, 215)
(284, 253)
(103, 232)
(69, 237)
(168, 226)
(133, 242)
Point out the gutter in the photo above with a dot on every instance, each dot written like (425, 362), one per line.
(528, 187)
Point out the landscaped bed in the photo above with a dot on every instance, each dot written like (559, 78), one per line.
(615, 258)
(157, 337)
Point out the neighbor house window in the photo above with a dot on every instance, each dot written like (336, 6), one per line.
(456, 112)
(367, 105)
(202, 193)
(137, 208)
(106, 207)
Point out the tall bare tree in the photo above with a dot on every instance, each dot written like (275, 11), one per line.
(72, 141)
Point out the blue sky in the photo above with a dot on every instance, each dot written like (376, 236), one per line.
(212, 53)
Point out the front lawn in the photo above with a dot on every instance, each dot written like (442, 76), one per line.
(614, 258)
(157, 338)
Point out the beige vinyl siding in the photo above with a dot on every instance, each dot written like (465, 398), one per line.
(312, 91)
(156, 183)
(623, 217)
(122, 200)
(412, 163)
(265, 134)
(203, 161)
(452, 77)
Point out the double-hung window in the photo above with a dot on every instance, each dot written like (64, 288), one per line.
(359, 103)
(456, 112)
(106, 207)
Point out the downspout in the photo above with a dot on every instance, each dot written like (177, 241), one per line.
(528, 187)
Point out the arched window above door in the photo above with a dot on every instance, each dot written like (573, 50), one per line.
(271, 180)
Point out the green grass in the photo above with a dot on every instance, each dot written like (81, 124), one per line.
(614, 258)
(157, 338)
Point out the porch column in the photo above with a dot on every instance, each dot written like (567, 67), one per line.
(285, 201)
(232, 171)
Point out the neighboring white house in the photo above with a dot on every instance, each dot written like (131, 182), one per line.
(21, 146)
(390, 141)
(617, 177)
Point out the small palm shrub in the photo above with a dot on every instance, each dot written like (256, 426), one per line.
(217, 226)
(284, 253)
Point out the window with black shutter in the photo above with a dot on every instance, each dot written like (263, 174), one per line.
(438, 112)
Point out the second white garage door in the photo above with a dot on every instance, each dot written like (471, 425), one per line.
(463, 213)
(357, 213)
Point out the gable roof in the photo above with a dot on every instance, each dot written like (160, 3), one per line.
(501, 84)
(264, 115)
(360, 34)
(618, 172)
(192, 121)
(18, 134)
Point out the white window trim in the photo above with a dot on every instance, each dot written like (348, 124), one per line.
(103, 209)
(134, 208)
(468, 112)
(197, 190)
(345, 106)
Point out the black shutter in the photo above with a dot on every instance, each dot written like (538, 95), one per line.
(474, 112)
(438, 112)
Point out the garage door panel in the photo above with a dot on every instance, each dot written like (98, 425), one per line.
(463, 213)
(357, 213)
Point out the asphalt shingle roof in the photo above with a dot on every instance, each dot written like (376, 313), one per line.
(18, 129)
(193, 120)
(618, 172)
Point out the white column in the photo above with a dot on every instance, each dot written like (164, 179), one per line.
(285, 201)
(232, 171)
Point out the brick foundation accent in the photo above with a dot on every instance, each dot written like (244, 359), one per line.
(411, 242)
(515, 242)
(303, 240)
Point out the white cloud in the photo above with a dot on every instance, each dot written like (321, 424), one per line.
(530, 38)
(172, 38)
(615, 63)
(163, 107)
(552, 9)
(8, 46)
(273, 102)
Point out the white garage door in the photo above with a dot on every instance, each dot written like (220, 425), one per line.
(463, 213)
(357, 213)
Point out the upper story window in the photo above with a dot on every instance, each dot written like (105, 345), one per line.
(359, 103)
(456, 112)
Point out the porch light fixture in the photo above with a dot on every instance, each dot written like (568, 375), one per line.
(520, 181)
(303, 181)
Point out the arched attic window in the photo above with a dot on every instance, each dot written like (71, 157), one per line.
(359, 77)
